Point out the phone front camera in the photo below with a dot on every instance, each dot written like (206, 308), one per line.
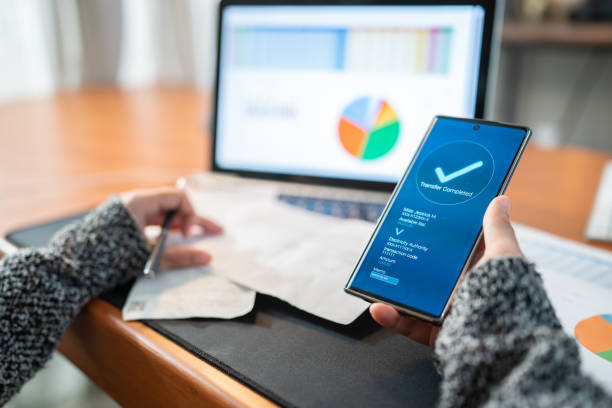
(476, 127)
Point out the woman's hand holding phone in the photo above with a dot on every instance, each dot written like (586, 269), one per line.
(499, 240)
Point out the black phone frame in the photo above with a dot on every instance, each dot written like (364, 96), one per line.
(408, 310)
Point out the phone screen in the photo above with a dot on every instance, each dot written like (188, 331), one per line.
(428, 229)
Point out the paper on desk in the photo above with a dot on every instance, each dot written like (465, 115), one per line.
(562, 255)
(194, 292)
(578, 280)
(575, 300)
(298, 256)
(185, 293)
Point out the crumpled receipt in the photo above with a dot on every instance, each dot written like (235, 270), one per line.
(186, 293)
(298, 256)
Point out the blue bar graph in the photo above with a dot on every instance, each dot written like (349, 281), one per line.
(283, 48)
(351, 49)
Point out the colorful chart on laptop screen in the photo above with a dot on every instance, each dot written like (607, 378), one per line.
(369, 128)
(595, 333)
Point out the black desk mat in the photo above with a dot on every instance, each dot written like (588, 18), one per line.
(292, 357)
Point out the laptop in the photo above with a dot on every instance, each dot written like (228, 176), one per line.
(329, 100)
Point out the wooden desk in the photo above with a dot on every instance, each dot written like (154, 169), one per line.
(66, 154)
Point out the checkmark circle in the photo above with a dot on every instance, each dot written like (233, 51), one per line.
(455, 173)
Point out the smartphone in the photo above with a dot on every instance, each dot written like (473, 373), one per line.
(431, 226)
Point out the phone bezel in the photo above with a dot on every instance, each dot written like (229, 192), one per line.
(405, 309)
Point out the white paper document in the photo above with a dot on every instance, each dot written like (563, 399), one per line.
(298, 256)
(186, 293)
(578, 279)
(562, 255)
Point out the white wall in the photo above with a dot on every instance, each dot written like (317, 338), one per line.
(27, 66)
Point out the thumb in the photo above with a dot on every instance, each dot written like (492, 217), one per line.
(498, 232)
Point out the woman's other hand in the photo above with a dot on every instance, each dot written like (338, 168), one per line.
(149, 207)
(499, 240)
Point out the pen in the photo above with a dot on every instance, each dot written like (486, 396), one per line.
(153, 261)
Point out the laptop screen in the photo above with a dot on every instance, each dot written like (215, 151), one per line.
(343, 92)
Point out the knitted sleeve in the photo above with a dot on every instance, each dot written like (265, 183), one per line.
(502, 345)
(42, 290)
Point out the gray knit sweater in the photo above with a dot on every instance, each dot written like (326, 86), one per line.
(500, 345)
(42, 290)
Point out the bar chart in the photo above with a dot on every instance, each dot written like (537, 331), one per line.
(366, 50)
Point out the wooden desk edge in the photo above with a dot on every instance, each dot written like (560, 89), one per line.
(138, 348)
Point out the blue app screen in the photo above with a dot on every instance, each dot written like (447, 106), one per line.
(419, 249)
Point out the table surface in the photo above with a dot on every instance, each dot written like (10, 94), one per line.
(67, 153)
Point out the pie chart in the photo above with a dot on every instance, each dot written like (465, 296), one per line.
(368, 128)
(595, 333)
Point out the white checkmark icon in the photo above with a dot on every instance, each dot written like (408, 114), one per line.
(445, 179)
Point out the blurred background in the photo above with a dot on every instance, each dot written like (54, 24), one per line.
(554, 72)
(53, 45)
(554, 76)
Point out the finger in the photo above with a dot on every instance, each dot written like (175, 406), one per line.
(187, 218)
(159, 220)
(498, 232)
(183, 209)
(185, 225)
(183, 257)
(169, 198)
(210, 227)
(148, 206)
(412, 328)
(174, 199)
(164, 198)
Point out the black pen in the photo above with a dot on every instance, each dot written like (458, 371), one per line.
(153, 261)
